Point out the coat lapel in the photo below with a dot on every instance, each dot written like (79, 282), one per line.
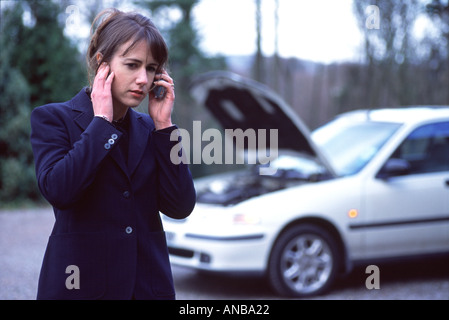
(138, 139)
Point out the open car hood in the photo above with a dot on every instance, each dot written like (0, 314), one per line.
(241, 103)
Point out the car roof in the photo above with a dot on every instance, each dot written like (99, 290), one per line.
(405, 115)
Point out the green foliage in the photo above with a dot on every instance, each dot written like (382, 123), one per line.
(37, 65)
(48, 61)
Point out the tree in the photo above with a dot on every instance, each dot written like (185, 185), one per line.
(186, 60)
(400, 68)
(37, 65)
(51, 65)
(389, 50)
(439, 51)
(258, 62)
(16, 178)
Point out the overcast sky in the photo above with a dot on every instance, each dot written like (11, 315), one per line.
(317, 30)
(324, 30)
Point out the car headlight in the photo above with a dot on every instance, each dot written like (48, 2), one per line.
(246, 219)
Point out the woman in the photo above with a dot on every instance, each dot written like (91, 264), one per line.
(107, 172)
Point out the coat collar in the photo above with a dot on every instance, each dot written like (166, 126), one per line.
(139, 130)
(83, 105)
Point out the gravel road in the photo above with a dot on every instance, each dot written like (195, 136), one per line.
(23, 237)
(24, 234)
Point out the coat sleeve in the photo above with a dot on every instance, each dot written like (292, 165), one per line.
(65, 169)
(177, 195)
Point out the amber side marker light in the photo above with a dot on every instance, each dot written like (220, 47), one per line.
(353, 213)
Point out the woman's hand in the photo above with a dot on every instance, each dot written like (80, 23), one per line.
(160, 109)
(101, 93)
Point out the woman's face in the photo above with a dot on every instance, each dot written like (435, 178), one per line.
(133, 74)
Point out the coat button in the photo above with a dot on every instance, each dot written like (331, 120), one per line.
(129, 230)
(107, 146)
(126, 194)
(114, 136)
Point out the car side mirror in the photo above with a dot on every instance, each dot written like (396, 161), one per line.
(393, 168)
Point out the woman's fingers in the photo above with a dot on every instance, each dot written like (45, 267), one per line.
(101, 92)
(164, 80)
(165, 77)
(108, 82)
(160, 109)
(101, 75)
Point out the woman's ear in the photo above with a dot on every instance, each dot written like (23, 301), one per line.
(98, 60)
(99, 57)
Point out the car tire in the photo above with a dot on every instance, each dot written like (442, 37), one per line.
(303, 262)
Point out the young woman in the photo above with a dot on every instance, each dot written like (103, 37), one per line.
(107, 172)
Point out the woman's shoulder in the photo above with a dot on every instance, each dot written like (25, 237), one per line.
(53, 107)
(81, 98)
(65, 108)
(51, 110)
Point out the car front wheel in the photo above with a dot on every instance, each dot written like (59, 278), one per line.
(303, 262)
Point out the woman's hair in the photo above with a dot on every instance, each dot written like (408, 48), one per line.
(112, 28)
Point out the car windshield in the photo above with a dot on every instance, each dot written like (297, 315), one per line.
(349, 146)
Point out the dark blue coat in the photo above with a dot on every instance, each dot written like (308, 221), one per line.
(107, 211)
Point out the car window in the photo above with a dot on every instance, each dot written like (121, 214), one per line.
(426, 149)
(350, 146)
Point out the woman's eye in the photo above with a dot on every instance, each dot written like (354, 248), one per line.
(132, 65)
(151, 69)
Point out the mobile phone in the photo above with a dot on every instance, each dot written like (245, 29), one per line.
(159, 92)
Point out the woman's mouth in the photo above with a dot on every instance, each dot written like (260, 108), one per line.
(137, 93)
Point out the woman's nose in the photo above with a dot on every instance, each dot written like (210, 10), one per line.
(142, 78)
